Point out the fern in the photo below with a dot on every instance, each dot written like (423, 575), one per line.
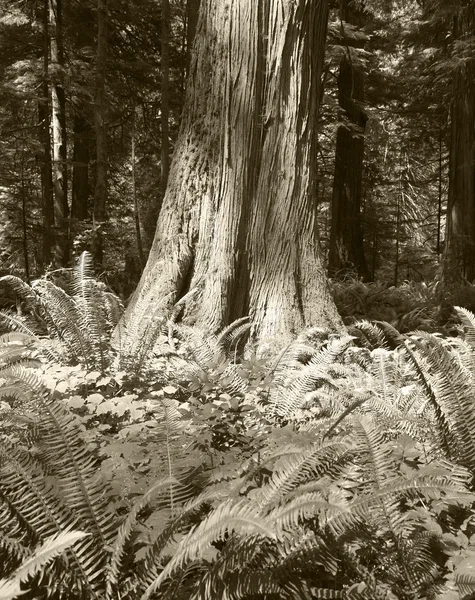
(227, 517)
(50, 549)
(82, 321)
(450, 390)
(289, 398)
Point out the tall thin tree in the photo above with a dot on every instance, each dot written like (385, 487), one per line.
(44, 117)
(460, 229)
(58, 117)
(165, 94)
(346, 235)
(100, 191)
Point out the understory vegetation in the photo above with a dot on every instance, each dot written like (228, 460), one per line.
(188, 465)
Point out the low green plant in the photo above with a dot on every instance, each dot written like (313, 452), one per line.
(342, 468)
(74, 327)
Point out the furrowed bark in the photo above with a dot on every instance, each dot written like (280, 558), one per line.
(238, 218)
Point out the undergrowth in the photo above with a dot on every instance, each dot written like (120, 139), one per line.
(340, 468)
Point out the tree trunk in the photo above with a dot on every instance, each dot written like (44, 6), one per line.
(100, 191)
(460, 229)
(80, 188)
(58, 115)
(47, 205)
(165, 95)
(138, 231)
(192, 10)
(238, 222)
(346, 252)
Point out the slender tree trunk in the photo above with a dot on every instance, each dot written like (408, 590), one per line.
(238, 222)
(460, 231)
(192, 10)
(47, 205)
(80, 186)
(24, 224)
(138, 232)
(165, 94)
(100, 191)
(346, 250)
(58, 115)
(439, 204)
(460, 228)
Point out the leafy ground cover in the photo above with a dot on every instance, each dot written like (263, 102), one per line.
(341, 467)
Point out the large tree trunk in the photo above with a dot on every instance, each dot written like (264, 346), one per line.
(238, 218)
(58, 115)
(100, 191)
(460, 229)
(346, 250)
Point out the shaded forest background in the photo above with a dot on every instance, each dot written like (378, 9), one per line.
(91, 97)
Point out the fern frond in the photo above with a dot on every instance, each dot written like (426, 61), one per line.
(369, 334)
(22, 289)
(82, 274)
(452, 393)
(50, 549)
(230, 336)
(10, 589)
(151, 565)
(312, 375)
(240, 517)
(428, 382)
(126, 529)
(294, 469)
(64, 317)
(365, 508)
(468, 321)
(465, 581)
(19, 324)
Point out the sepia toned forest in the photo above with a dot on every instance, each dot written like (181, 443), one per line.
(237, 302)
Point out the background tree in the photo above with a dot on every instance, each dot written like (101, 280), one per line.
(346, 250)
(460, 232)
(238, 220)
(100, 190)
(59, 133)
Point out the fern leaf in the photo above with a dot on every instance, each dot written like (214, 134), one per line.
(465, 581)
(10, 589)
(453, 393)
(22, 289)
(231, 335)
(468, 320)
(50, 549)
(240, 517)
(125, 531)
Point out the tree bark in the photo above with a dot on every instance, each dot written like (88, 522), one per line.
(58, 115)
(47, 205)
(346, 251)
(100, 191)
(192, 11)
(238, 221)
(138, 231)
(460, 228)
(165, 95)
(80, 186)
